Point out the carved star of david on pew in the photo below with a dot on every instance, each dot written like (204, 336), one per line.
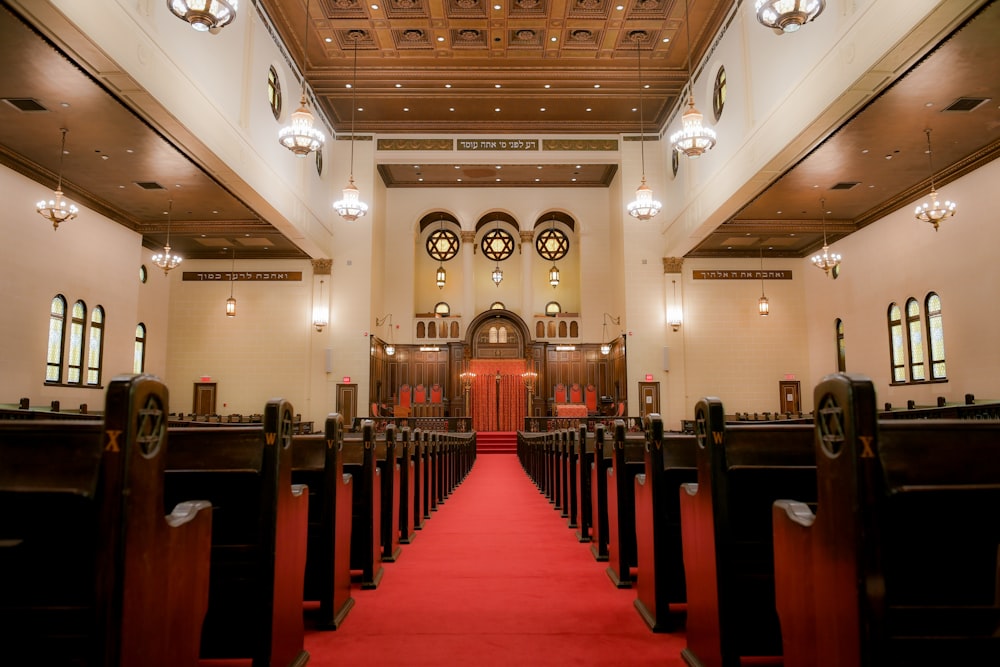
(149, 427)
(831, 426)
(285, 431)
(699, 429)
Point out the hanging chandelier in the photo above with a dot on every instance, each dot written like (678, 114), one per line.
(231, 301)
(783, 16)
(934, 211)
(205, 15)
(826, 260)
(441, 276)
(351, 207)
(554, 276)
(299, 136)
(693, 138)
(165, 260)
(763, 308)
(644, 206)
(497, 275)
(57, 209)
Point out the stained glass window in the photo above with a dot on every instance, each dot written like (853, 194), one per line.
(897, 349)
(57, 337)
(139, 356)
(841, 352)
(442, 244)
(497, 244)
(916, 340)
(935, 336)
(274, 92)
(95, 347)
(552, 244)
(719, 93)
(552, 308)
(75, 361)
(443, 309)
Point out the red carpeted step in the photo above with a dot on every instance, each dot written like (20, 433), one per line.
(496, 442)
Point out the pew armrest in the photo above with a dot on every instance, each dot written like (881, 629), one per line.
(299, 489)
(690, 488)
(794, 511)
(186, 512)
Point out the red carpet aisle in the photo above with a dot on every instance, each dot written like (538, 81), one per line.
(495, 578)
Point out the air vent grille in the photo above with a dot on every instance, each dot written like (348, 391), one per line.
(149, 185)
(25, 104)
(845, 185)
(966, 104)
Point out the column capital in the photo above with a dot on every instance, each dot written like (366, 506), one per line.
(322, 267)
(527, 236)
(673, 264)
(468, 238)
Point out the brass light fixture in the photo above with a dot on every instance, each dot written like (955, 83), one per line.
(605, 343)
(693, 138)
(497, 275)
(674, 311)
(934, 211)
(643, 207)
(321, 313)
(826, 260)
(231, 301)
(165, 260)
(440, 276)
(299, 136)
(205, 15)
(57, 209)
(390, 348)
(762, 305)
(783, 16)
(351, 207)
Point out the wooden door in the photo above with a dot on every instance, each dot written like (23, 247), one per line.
(204, 398)
(347, 402)
(649, 398)
(790, 396)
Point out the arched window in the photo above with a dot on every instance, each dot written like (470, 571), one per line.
(552, 308)
(76, 324)
(935, 336)
(139, 358)
(274, 92)
(442, 309)
(421, 330)
(502, 335)
(896, 348)
(95, 347)
(841, 354)
(915, 339)
(493, 335)
(57, 339)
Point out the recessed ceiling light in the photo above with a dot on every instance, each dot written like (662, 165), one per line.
(666, 39)
(553, 39)
(498, 180)
(573, 179)
(539, 166)
(440, 39)
(129, 151)
(929, 104)
(597, 85)
(537, 180)
(577, 167)
(421, 180)
(620, 7)
(328, 40)
(496, 85)
(497, 109)
(447, 85)
(646, 85)
(458, 166)
(406, 109)
(499, 166)
(634, 109)
(361, 108)
(589, 109)
(459, 180)
(451, 108)
(347, 85)
(542, 109)
(374, 6)
(547, 85)
(121, 187)
(864, 151)
(497, 6)
(416, 166)
(399, 85)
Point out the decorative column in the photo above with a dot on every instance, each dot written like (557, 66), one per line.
(675, 381)
(468, 277)
(322, 270)
(527, 275)
(673, 289)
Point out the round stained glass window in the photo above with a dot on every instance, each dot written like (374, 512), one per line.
(274, 92)
(497, 244)
(719, 93)
(552, 244)
(442, 244)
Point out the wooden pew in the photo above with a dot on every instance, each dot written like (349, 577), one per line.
(318, 463)
(408, 487)
(260, 521)
(585, 459)
(599, 494)
(569, 485)
(670, 460)
(726, 532)
(625, 465)
(91, 571)
(366, 521)
(421, 512)
(386, 459)
(898, 565)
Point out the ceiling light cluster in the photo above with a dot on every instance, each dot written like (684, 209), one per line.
(693, 139)
(644, 206)
(934, 211)
(205, 15)
(57, 209)
(783, 16)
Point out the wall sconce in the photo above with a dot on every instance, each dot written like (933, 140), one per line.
(321, 312)
(390, 349)
(605, 343)
(674, 311)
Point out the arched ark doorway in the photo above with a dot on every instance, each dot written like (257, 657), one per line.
(497, 340)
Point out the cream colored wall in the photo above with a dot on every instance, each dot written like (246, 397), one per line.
(89, 258)
(898, 258)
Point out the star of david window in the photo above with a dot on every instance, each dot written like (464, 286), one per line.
(552, 244)
(497, 244)
(442, 244)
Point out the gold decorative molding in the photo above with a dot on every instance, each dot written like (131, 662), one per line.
(416, 144)
(356, 137)
(322, 267)
(673, 264)
(580, 145)
(468, 237)
(527, 236)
